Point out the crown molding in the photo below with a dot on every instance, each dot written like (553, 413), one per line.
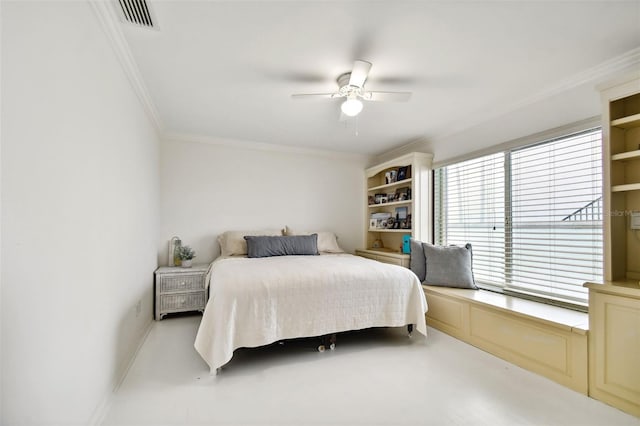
(261, 146)
(110, 22)
(594, 76)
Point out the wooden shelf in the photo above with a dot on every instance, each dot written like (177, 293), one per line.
(393, 203)
(391, 185)
(405, 231)
(626, 187)
(627, 122)
(629, 155)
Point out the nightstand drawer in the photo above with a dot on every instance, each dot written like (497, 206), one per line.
(391, 260)
(182, 301)
(394, 258)
(181, 282)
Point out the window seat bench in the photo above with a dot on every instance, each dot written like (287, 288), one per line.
(545, 339)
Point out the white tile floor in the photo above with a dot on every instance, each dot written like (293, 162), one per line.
(374, 377)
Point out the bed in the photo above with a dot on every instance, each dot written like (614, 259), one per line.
(258, 301)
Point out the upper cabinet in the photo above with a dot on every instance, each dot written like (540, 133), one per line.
(621, 174)
(398, 201)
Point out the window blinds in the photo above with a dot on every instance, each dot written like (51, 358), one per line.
(556, 199)
(533, 216)
(469, 208)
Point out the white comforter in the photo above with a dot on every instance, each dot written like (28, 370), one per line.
(254, 302)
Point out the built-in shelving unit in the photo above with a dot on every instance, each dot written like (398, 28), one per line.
(621, 152)
(614, 306)
(409, 175)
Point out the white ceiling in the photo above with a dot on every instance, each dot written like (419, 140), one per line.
(218, 69)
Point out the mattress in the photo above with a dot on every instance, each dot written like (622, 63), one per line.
(258, 301)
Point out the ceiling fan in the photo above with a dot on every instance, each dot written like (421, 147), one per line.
(351, 87)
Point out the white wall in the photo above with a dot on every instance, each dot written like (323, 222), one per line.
(208, 188)
(80, 198)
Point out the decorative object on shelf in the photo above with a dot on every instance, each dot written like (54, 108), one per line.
(378, 198)
(377, 244)
(401, 213)
(186, 255)
(406, 244)
(391, 176)
(173, 259)
(403, 173)
(379, 220)
(403, 194)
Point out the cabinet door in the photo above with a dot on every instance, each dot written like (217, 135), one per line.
(616, 334)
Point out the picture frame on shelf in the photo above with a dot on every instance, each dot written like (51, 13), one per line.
(402, 213)
(402, 173)
(403, 194)
(391, 176)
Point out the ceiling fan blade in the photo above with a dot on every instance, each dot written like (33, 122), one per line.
(387, 96)
(359, 73)
(316, 95)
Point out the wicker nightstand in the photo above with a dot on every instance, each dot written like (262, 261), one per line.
(180, 289)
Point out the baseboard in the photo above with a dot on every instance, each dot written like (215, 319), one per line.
(103, 406)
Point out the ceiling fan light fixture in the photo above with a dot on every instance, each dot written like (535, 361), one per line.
(351, 107)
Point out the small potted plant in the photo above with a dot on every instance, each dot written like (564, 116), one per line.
(186, 255)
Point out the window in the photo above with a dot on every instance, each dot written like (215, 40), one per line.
(533, 216)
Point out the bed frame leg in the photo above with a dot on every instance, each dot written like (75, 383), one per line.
(328, 340)
(409, 329)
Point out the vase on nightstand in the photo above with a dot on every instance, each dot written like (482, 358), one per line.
(186, 263)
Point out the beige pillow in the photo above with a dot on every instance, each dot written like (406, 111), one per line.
(327, 241)
(232, 243)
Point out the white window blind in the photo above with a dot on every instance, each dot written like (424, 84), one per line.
(469, 208)
(533, 216)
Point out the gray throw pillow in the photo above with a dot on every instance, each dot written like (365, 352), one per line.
(417, 262)
(267, 246)
(449, 266)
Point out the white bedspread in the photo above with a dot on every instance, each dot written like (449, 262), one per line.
(254, 302)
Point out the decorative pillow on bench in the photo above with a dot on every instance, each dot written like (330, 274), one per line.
(417, 261)
(449, 266)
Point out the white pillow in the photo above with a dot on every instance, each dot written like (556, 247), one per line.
(327, 241)
(232, 243)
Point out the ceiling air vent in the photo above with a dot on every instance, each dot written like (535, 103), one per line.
(136, 12)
